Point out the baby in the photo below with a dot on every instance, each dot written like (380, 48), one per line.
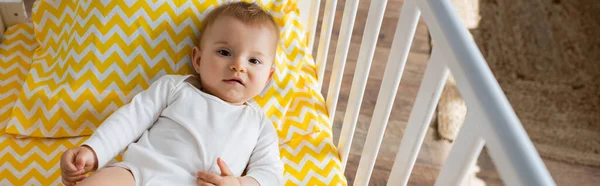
(195, 130)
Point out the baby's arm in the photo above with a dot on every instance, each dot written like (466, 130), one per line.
(129, 122)
(265, 164)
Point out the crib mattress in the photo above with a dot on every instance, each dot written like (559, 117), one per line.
(30, 155)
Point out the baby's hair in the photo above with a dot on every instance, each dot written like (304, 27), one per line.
(247, 13)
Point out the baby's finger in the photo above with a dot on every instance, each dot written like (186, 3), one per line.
(67, 183)
(74, 179)
(224, 168)
(68, 161)
(209, 177)
(80, 162)
(74, 173)
(203, 183)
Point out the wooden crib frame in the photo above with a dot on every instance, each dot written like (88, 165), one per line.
(490, 120)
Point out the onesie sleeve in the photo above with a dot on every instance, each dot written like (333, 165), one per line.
(265, 164)
(130, 121)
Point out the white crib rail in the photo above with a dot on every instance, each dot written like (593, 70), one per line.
(325, 38)
(387, 94)
(361, 74)
(490, 119)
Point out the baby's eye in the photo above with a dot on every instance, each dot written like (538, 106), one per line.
(224, 52)
(254, 61)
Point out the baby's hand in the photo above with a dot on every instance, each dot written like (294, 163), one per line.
(225, 179)
(75, 163)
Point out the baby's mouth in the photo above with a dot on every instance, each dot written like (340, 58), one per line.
(234, 80)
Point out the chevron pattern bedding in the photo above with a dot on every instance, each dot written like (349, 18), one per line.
(80, 60)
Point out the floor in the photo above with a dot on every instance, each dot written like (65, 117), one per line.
(434, 150)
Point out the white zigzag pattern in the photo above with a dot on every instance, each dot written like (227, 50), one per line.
(34, 165)
(49, 16)
(7, 59)
(39, 105)
(31, 181)
(289, 28)
(20, 142)
(76, 140)
(277, 122)
(297, 101)
(302, 116)
(321, 164)
(35, 150)
(19, 43)
(128, 39)
(305, 110)
(5, 94)
(156, 5)
(10, 80)
(51, 51)
(134, 18)
(112, 88)
(5, 182)
(141, 13)
(18, 31)
(303, 145)
(56, 182)
(281, 75)
(59, 125)
(63, 47)
(284, 90)
(50, 34)
(178, 29)
(23, 142)
(296, 130)
(289, 49)
(90, 67)
(3, 124)
(295, 76)
(11, 68)
(116, 49)
(311, 173)
(177, 10)
(274, 103)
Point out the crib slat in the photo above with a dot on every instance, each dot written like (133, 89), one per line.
(405, 31)
(341, 53)
(361, 74)
(465, 151)
(420, 116)
(312, 22)
(339, 61)
(324, 38)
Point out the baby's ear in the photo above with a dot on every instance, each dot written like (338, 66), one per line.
(196, 56)
(270, 75)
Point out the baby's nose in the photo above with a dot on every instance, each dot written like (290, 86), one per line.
(238, 66)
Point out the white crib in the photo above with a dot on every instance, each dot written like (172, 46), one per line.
(490, 119)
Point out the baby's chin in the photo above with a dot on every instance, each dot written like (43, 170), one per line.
(233, 97)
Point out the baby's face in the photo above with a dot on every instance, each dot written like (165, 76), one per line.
(234, 59)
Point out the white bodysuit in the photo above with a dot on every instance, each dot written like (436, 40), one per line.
(181, 130)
